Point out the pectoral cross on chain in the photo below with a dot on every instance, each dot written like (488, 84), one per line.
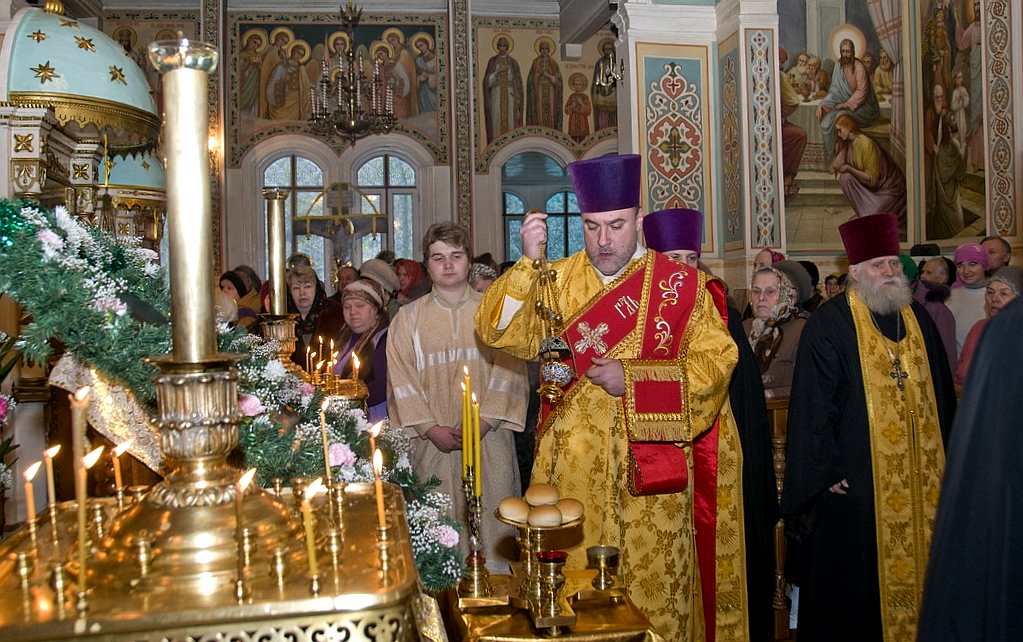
(898, 374)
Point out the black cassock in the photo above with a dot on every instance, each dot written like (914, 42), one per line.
(974, 589)
(759, 495)
(829, 440)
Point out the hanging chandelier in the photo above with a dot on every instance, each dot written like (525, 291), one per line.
(348, 102)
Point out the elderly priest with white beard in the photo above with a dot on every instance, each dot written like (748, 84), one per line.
(872, 401)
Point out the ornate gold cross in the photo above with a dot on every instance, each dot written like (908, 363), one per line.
(898, 374)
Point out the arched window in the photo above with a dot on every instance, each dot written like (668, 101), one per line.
(514, 210)
(536, 181)
(387, 184)
(304, 181)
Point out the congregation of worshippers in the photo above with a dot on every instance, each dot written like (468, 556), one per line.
(664, 427)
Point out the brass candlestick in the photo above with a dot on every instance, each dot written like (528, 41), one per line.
(197, 387)
(475, 582)
(278, 325)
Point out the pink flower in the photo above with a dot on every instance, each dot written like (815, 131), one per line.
(5, 407)
(250, 405)
(447, 536)
(306, 389)
(340, 455)
(51, 243)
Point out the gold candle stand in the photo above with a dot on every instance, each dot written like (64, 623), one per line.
(278, 325)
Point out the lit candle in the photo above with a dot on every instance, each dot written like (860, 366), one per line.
(326, 443)
(83, 497)
(476, 447)
(310, 491)
(466, 445)
(79, 406)
(116, 457)
(355, 367)
(378, 467)
(307, 361)
(30, 498)
(51, 494)
(374, 432)
(239, 500)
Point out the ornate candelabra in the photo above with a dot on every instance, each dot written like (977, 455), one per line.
(347, 101)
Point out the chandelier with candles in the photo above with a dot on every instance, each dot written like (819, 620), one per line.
(352, 99)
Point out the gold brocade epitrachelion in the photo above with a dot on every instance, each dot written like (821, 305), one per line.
(908, 460)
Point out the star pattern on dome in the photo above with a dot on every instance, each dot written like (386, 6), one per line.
(73, 24)
(37, 35)
(44, 72)
(117, 75)
(85, 43)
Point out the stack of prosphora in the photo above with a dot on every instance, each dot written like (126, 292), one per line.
(542, 506)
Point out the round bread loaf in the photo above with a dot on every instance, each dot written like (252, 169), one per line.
(544, 516)
(571, 509)
(542, 495)
(514, 508)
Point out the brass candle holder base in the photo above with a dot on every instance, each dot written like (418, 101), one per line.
(182, 517)
(605, 560)
(281, 328)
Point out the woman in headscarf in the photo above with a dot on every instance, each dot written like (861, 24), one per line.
(1003, 286)
(247, 300)
(971, 593)
(319, 318)
(777, 323)
(967, 298)
(365, 335)
(481, 276)
(412, 280)
(932, 290)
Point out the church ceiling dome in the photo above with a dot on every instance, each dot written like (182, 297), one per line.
(86, 76)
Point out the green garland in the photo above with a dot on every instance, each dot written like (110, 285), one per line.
(108, 302)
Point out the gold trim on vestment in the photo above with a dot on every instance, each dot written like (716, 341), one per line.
(907, 458)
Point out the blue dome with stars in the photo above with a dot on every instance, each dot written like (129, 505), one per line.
(56, 60)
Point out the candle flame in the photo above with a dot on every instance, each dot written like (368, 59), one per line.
(52, 452)
(355, 361)
(123, 448)
(313, 489)
(89, 460)
(83, 393)
(474, 400)
(30, 472)
(465, 369)
(319, 364)
(313, 354)
(246, 479)
(378, 462)
(325, 405)
(463, 386)
(376, 428)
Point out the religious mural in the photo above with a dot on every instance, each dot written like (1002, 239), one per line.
(952, 68)
(278, 64)
(525, 88)
(674, 95)
(135, 30)
(843, 118)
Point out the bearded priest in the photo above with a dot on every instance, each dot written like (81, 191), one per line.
(643, 435)
(872, 401)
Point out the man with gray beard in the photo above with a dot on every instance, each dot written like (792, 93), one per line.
(872, 401)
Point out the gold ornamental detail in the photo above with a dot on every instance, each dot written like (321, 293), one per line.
(23, 142)
(86, 110)
(85, 43)
(67, 22)
(26, 174)
(44, 72)
(37, 35)
(117, 75)
(80, 171)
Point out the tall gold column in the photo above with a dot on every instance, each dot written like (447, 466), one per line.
(278, 324)
(186, 520)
